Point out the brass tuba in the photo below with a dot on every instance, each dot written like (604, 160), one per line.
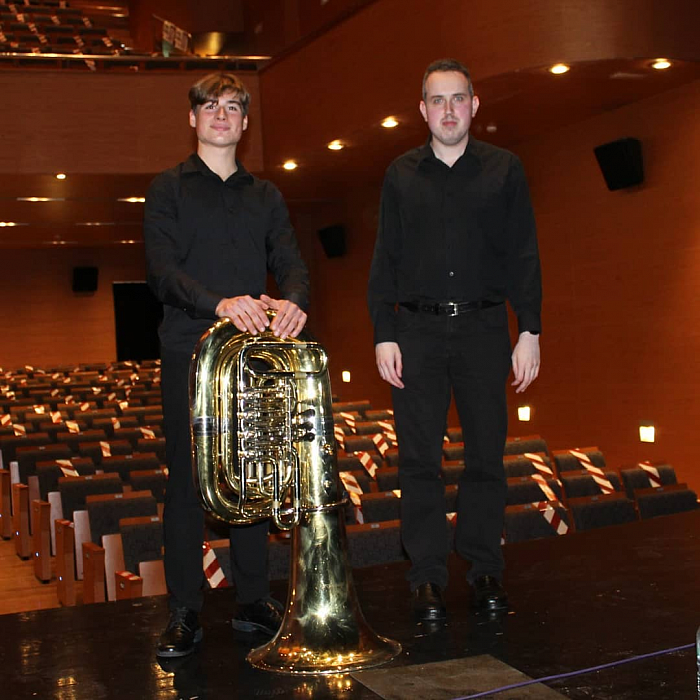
(263, 447)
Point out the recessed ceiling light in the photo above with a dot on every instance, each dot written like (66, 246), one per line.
(41, 199)
(290, 165)
(559, 69)
(661, 64)
(389, 123)
(60, 176)
(336, 145)
(132, 200)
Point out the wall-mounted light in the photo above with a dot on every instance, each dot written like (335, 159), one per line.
(60, 176)
(41, 199)
(647, 432)
(559, 69)
(132, 200)
(336, 145)
(346, 376)
(390, 123)
(661, 64)
(290, 165)
(524, 413)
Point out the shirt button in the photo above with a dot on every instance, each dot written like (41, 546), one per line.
(452, 274)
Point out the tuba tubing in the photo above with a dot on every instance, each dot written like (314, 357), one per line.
(263, 447)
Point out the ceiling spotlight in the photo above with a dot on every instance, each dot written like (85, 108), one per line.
(389, 123)
(60, 176)
(661, 64)
(336, 145)
(132, 200)
(41, 199)
(559, 69)
(290, 165)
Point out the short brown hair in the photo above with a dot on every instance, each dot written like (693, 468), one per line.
(444, 65)
(216, 84)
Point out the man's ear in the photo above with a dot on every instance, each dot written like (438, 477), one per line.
(193, 119)
(423, 110)
(475, 105)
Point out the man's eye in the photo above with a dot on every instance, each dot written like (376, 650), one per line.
(437, 100)
(459, 98)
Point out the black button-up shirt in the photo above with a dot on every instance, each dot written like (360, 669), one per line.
(207, 239)
(460, 233)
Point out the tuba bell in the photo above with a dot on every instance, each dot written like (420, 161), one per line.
(263, 447)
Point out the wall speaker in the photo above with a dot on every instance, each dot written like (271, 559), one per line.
(621, 163)
(84, 279)
(333, 240)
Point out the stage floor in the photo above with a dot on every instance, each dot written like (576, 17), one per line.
(577, 601)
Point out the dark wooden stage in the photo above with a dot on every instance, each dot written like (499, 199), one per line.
(578, 601)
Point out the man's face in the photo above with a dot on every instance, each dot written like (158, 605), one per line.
(219, 121)
(448, 108)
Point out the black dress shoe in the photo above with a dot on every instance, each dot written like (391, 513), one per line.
(264, 615)
(489, 594)
(181, 634)
(428, 603)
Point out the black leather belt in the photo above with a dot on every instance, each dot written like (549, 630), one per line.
(449, 308)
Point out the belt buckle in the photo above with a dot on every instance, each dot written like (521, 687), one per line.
(452, 308)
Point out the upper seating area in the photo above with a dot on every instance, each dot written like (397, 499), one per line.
(52, 26)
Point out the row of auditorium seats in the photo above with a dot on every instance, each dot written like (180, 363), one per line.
(101, 487)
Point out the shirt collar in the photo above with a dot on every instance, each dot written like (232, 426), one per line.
(472, 151)
(194, 164)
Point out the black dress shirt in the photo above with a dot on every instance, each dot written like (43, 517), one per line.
(460, 233)
(207, 239)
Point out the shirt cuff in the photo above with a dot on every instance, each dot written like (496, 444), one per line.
(529, 321)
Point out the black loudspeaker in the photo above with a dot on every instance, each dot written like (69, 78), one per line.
(84, 279)
(621, 163)
(333, 240)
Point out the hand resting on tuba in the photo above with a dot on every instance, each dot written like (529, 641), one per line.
(250, 315)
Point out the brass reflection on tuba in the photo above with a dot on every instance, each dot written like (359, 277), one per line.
(263, 447)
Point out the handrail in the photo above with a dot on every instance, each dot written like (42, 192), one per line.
(138, 60)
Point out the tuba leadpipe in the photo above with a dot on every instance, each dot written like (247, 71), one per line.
(263, 447)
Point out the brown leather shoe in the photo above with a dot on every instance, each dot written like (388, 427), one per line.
(489, 594)
(428, 603)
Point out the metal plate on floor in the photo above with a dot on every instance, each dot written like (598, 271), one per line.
(457, 678)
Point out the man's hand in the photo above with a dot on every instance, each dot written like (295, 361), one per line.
(290, 318)
(247, 314)
(389, 363)
(526, 361)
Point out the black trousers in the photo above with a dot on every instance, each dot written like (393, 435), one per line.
(183, 516)
(469, 355)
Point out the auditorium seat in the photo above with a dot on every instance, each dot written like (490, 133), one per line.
(10, 443)
(519, 465)
(106, 510)
(50, 472)
(379, 414)
(530, 521)
(27, 457)
(351, 462)
(528, 443)
(360, 443)
(590, 512)
(125, 464)
(665, 500)
(75, 489)
(454, 434)
(157, 444)
(97, 451)
(364, 427)
(523, 489)
(634, 478)
(73, 440)
(371, 544)
(142, 540)
(566, 462)
(453, 451)
(581, 483)
(109, 426)
(153, 480)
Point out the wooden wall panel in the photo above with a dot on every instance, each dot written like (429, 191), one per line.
(105, 122)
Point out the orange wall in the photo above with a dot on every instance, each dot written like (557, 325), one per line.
(621, 282)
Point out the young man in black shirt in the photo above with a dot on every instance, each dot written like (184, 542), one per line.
(212, 231)
(456, 240)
